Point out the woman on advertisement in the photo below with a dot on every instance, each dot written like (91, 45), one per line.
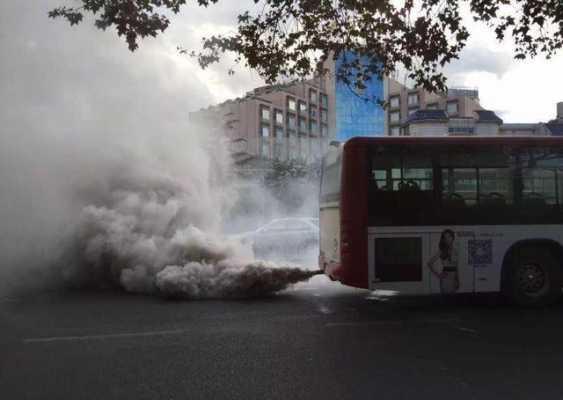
(448, 256)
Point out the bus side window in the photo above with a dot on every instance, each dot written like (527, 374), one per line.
(541, 177)
(495, 187)
(459, 187)
(380, 179)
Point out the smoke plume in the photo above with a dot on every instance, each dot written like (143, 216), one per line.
(148, 236)
(102, 179)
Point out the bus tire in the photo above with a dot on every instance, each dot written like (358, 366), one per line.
(534, 277)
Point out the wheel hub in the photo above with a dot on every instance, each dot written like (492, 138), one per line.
(532, 278)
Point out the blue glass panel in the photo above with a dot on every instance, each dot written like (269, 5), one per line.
(358, 115)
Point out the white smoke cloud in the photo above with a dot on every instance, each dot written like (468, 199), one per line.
(102, 180)
(151, 239)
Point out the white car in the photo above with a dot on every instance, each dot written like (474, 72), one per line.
(284, 238)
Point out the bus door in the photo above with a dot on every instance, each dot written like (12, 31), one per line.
(396, 260)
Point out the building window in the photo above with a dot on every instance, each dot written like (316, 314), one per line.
(265, 113)
(302, 124)
(324, 100)
(452, 107)
(314, 128)
(313, 96)
(324, 130)
(291, 104)
(302, 107)
(324, 116)
(395, 131)
(413, 99)
(279, 117)
(395, 102)
(291, 121)
(265, 148)
(279, 132)
(433, 106)
(264, 130)
(395, 117)
(313, 113)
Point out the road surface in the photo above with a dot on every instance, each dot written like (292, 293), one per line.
(316, 341)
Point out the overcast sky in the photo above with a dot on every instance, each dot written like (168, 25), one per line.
(58, 78)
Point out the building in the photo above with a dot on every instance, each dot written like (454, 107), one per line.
(297, 121)
(356, 112)
(283, 122)
(481, 122)
(416, 112)
(555, 126)
(458, 104)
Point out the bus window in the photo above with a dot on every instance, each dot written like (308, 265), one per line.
(480, 182)
(542, 177)
(380, 179)
(401, 173)
(400, 186)
(495, 188)
(459, 186)
(539, 186)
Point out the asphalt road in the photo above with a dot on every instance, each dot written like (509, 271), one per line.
(316, 341)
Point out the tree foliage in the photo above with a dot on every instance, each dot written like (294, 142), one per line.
(292, 38)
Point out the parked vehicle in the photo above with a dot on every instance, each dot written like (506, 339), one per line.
(288, 239)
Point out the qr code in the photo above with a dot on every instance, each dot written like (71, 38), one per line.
(480, 251)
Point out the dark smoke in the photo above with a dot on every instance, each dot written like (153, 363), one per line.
(156, 234)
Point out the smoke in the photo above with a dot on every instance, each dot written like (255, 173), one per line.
(156, 234)
(102, 179)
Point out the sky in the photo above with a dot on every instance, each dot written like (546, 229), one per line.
(59, 78)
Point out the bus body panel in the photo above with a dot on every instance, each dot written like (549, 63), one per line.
(329, 255)
(353, 217)
(481, 250)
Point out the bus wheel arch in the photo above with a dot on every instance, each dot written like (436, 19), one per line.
(540, 260)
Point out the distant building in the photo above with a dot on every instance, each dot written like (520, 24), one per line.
(403, 103)
(356, 112)
(283, 122)
(555, 126)
(416, 112)
(296, 121)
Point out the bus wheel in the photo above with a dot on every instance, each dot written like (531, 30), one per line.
(534, 278)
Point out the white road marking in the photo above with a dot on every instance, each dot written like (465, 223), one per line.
(104, 336)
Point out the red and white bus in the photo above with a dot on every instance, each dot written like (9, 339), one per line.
(445, 215)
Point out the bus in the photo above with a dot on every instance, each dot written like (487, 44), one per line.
(445, 215)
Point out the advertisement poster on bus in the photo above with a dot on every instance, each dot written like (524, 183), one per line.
(459, 260)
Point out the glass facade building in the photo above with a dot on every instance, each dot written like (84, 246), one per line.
(358, 114)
